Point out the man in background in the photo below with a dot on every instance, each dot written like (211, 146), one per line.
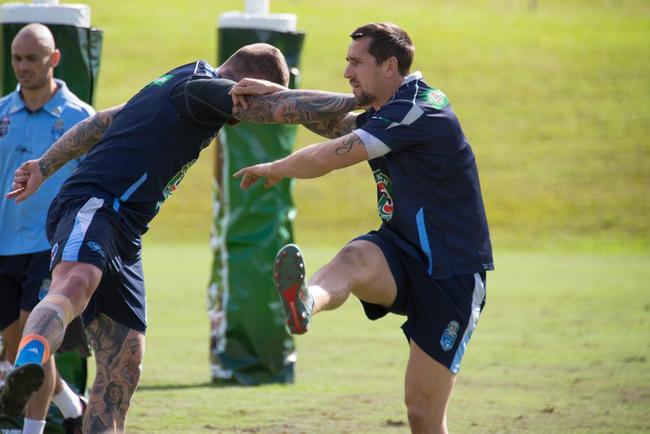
(32, 118)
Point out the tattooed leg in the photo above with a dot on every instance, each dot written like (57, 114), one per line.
(73, 283)
(118, 354)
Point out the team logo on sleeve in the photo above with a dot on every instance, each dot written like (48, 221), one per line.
(449, 336)
(435, 98)
(384, 195)
(4, 126)
(160, 80)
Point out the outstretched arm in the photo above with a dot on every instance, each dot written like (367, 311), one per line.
(335, 127)
(310, 162)
(294, 107)
(333, 119)
(74, 143)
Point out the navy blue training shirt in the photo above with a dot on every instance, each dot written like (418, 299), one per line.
(428, 191)
(152, 142)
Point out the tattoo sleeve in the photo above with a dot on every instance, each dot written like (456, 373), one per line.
(333, 128)
(294, 107)
(76, 141)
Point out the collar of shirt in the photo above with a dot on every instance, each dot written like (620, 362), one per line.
(54, 106)
(417, 75)
(204, 69)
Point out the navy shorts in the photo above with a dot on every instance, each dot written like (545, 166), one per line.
(24, 280)
(88, 230)
(441, 313)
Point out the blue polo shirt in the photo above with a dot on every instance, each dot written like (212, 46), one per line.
(428, 191)
(26, 135)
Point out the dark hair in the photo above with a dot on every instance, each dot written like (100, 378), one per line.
(260, 60)
(388, 40)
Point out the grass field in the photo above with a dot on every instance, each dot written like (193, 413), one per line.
(562, 347)
(556, 103)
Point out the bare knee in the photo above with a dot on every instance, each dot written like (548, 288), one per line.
(77, 282)
(121, 362)
(422, 415)
(352, 256)
(355, 258)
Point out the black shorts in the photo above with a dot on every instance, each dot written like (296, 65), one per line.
(24, 280)
(88, 230)
(441, 313)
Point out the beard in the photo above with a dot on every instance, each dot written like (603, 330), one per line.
(363, 99)
(32, 83)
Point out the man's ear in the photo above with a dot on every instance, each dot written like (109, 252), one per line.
(55, 58)
(391, 66)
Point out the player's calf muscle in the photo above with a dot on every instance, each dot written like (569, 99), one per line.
(119, 352)
(46, 323)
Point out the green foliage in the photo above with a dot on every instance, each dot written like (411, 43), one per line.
(561, 348)
(553, 95)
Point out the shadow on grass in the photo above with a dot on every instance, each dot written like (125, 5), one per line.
(217, 385)
(175, 386)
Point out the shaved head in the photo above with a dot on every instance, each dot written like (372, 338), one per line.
(37, 34)
(34, 57)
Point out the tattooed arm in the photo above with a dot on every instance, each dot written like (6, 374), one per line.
(294, 107)
(335, 127)
(310, 162)
(324, 113)
(75, 142)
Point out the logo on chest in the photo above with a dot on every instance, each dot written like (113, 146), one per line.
(173, 183)
(4, 126)
(384, 195)
(57, 129)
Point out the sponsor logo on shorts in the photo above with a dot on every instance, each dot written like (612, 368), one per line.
(95, 247)
(449, 336)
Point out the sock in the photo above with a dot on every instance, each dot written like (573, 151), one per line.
(32, 426)
(34, 349)
(67, 401)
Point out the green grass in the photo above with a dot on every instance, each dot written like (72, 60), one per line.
(562, 347)
(555, 101)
